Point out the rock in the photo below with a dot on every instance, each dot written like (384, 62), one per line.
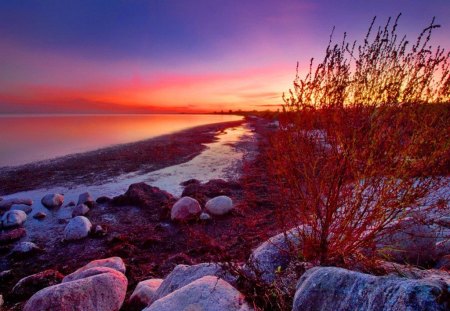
(80, 210)
(410, 242)
(1, 300)
(103, 200)
(220, 205)
(335, 289)
(6, 204)
(444, 221)
(153, 199)
(115, 263)
(25, 208)
(70, 204)
(183, 275)
(53, 200)
(99, 231)
(12, 235)
(13, 218)
(25, 248)
(205, 216)
(101, 291)
(39, 215)
(29, 285)
(144, 293)
(6, 275)
(273, 254)
(86, 199)
(210, 189)
(443, 263)
(209, 293)
(443, 248)
(185, 209)
(192, 181)
(77, 228)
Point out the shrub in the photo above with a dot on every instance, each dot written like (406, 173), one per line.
(363, 141)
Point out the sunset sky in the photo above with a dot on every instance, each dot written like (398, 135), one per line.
(63, 56)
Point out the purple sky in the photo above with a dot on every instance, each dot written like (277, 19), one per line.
(164, 55)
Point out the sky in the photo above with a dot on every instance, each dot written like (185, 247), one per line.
(136, 56)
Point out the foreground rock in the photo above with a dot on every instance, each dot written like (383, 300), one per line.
(335, 289)
(213, 188)
(209, 293)
(14, 218)
(220, 205)
(184, 274)
(144, 293)
(29, 285)
(6, 204)
(80, 210)
(273, 254)
(115, 263)
(53, 200)
(102, 290)
(411, 242)
(185, 209)
(77, 228)
(86, 199)
(153, 199)
(25, 208)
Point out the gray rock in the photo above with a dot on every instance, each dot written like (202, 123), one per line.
(115, 263)
(411, 242)
(86, 199)
(220, 205)
(335, 289)
(273, 254)
(53, 200)
(182, 275)
(145, 293)
(13, 218)
(205, 216)
(80, 210)
(6, 204)
(185, 208)
(101, 291)
(77, 228)
(209, 293)
(25, 248)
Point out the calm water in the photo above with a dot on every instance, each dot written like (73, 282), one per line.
(25, 139)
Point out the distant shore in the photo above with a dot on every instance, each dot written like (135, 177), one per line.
(99, 165)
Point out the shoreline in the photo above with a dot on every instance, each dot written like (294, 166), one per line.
(98, 166)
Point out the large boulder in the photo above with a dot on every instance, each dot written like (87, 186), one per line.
(185, 209)
(145, 293)
(273, 255)
(14, 218)
(208, 293)
(29, 285)
(115, 263)
(77, 228)
(101, 290)
(153, 199)
(220, 205)
(53, 200)
(7, 203)
(182, 275)
(336, 289)
(410, 242)
(87, 199)
(80, 210)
